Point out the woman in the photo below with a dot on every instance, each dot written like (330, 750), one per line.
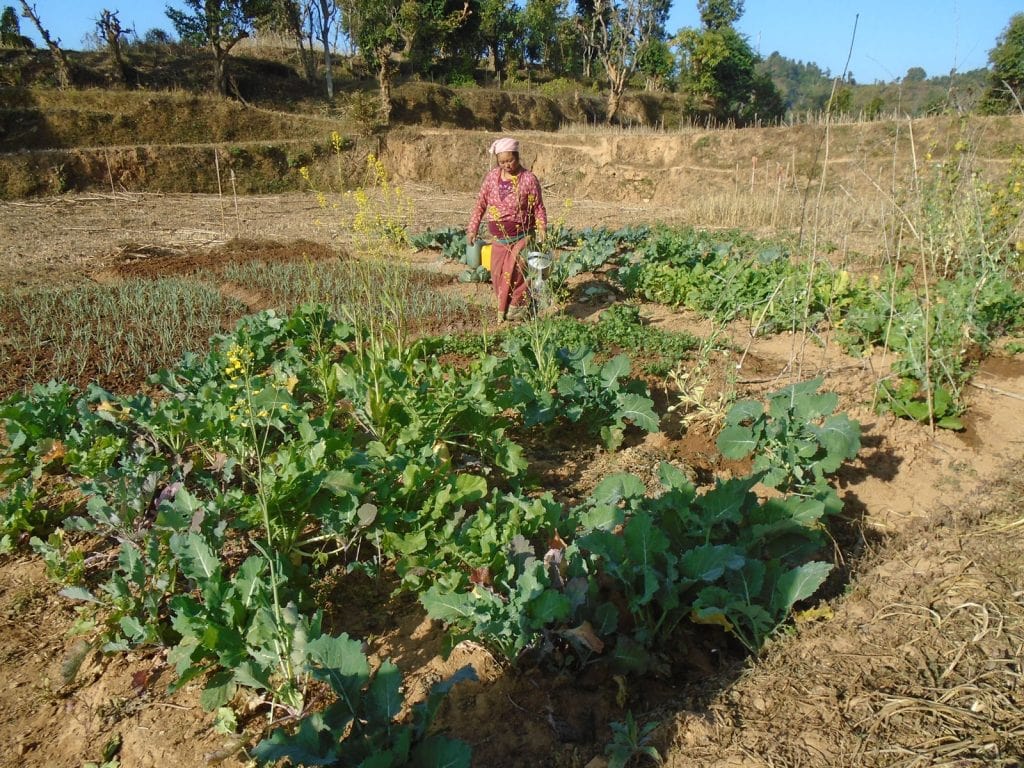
(511, 197)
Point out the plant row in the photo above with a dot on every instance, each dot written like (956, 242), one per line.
(210, 513)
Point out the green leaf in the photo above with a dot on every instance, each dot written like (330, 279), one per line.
(198, 562)
(616, 488)
(550, 606)
(736, 442)
(644, 541)
(727, 501)
(614, 370)
(450, 606)
(383, 701)
(78, 593)
(468, 488)
(132, 629)
(710, 561)
(673, 478)
(639, 410)
(311, 744)
(342, 664)
(441, 752)
(219, 691)
(798, 584)
(744, 410)
(841, 437)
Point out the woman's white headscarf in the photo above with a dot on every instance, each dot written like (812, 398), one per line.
(506, 144)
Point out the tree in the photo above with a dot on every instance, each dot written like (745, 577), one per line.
(323, 15)
(1005, 89)
(10, 31)
(915, 75)
(418, 30)
(60, 59)
(108, 26)
(656, 63)
(719, 14)
(157, 36)
(718, 68)
(373, 26)
(618, 30)
(220, 24)
(498, 31)
(539, 22)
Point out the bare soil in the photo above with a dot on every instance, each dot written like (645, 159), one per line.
(914, 660)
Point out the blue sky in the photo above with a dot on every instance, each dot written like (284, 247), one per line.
(891, 36)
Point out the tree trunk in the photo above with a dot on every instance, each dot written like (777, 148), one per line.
(613, 106)
(220, 70)
(384, 78)
(328, 74)
(60, 59)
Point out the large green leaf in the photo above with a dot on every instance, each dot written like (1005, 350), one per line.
(614, 370)
(383, 702)
(639, 410)
(710, 561)
(798, 584)
(736, 442)
(341, 663)
(311, 744)
(618, 487)
(451, 606)
(198, 561)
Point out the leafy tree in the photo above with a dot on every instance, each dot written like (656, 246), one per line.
(419, 30)
(1005, 89)
(656, 63)
(915, 75)
(374, 26)
(220, 24)
(10, 31)
(499, 25)
(719, 14)
(157, 36)
(540, 23)
(718, 68)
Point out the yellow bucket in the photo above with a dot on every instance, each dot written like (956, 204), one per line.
(485, 257)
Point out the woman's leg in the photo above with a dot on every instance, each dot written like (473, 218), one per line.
(507, 275)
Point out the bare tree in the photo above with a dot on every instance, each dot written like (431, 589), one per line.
(109, 28)
(618, 30)
(324, 13)
(60, 58)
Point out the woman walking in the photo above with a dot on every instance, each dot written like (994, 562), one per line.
(510, 196)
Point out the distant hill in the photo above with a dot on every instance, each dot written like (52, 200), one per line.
(806, 88)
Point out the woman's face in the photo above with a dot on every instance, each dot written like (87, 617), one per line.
(509, 161)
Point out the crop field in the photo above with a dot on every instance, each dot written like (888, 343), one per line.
(729, 499)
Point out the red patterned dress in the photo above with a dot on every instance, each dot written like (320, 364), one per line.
(515, 209)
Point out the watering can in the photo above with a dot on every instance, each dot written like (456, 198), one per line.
(537, 262)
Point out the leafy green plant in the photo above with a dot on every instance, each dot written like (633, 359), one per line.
(630, 742)
(550, 383)
(361, 727)
(904, 398)
(797, 442)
